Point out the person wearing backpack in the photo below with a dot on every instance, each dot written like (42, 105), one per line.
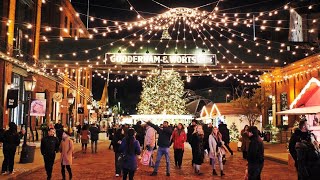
(10, 142)
(49, 147)
(130, 148)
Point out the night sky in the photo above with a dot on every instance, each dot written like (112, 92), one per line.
(128, 92)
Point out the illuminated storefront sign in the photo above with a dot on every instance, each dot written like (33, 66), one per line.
(122, 58)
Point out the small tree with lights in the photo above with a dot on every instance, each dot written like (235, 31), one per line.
(251, 104)
(234, 133)
(162, 94)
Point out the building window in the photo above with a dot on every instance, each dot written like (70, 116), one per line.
(71, 30)
(66, 22)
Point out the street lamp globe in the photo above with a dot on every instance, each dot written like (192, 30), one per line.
(89, 106)
(30, 83)
(70, 98)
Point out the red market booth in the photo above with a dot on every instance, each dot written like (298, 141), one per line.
(308, 103)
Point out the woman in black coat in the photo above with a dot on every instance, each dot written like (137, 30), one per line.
(197, 145)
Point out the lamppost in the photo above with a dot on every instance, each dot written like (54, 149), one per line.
(27, 152)
(227, 96)
(71, 103)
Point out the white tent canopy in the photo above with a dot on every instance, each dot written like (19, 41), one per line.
(300, 111)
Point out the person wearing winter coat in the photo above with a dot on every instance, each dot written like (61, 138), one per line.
(197, 145)
(255, 154)
(164, 143)
(178, 138)
(150, 142)
(191, 129)
(117, 139)
(130, 147)
(84, 136)
(10, 142)
(94, 135)
(140, 133)
(245, 141)
(49, 147)
(223, 129)
(66, 149)
(307, 153)
(216, 150)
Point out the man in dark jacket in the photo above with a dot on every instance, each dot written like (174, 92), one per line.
(140, 133)
(164, 143)
(94, 133)
(300, 134)
(191, 129)
(255, 154)
(117, 139)
(59, 130)
(49, 148)
(223, 129)
(11, 140)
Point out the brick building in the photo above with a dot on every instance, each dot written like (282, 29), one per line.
(284, 84)
(22, 28)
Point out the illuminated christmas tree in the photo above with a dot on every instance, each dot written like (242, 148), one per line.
(162, 94)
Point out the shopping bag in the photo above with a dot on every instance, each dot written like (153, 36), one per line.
(146, 156)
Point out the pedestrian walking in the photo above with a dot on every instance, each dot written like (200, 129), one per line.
(207, 129)
(223, 129)
(117, 140)
(59, 130)
(94, 137)
(140, 133)
(150, 142)
(196, 141)
(10, 142)
(255, 154)
(66, 149)
(111, 134)
(130, 147)
(84, 136)
(49, 147)
(178, 138)
(191, 129)
(304, 148)
(216, 150)
(78, 130)
(164, 143)
(245, 141)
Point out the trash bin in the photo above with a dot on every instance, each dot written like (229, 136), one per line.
(27, 154)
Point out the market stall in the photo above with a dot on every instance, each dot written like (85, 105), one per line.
(307, 103)
(225, 112)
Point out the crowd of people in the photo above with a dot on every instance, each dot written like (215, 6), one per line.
(204, 139)
(143, 139)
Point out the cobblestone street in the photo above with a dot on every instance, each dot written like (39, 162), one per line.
(101, 166)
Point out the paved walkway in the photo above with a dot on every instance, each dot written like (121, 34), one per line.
(101, 166)
(20, 169)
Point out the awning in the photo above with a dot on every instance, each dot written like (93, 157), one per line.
(300, 111)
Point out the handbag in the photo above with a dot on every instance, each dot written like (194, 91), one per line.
(122, 158)
(146, 157)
